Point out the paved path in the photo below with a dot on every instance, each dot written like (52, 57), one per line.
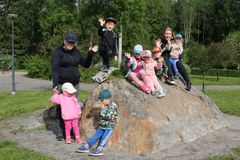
(25, 83)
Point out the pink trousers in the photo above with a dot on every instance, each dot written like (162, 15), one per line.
(153, 83)
(69, 124)
(139, 78)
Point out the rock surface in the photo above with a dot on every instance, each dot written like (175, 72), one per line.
(147, 124)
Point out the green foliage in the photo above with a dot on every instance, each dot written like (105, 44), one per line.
(227, 100)
(233, 40)
(10, 150)
(235, 155)
(39, 67)
(217, 72)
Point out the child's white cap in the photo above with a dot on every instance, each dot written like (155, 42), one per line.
(138, 49)
(68, 87)
(147, 53)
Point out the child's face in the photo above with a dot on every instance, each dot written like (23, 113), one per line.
(157, 55)
(110, 26)
(146, 59)
(138, 56)
(67, 94)
(178, 41)
(106, 102)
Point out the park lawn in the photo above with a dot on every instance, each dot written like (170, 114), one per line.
(27, 101)
(10, 151)
(227, 100)
(212, 80)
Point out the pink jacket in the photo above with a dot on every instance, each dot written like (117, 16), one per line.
(70, 107)
(149, 67)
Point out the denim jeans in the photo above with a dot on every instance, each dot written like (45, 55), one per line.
(102, 136)
(173, 62)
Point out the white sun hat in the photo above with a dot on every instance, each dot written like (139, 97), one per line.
(68, 87)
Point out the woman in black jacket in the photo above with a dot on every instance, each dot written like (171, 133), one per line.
(165, 46)
(65, 62)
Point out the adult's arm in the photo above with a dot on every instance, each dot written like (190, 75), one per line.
(86, 62)
(55, 67)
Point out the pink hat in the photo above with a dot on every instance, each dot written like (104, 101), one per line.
(147, 53)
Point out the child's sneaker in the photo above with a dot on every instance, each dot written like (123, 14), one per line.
(79, 140)
(83, 148)
(68, 140)
(176, 76)
(154, 91)
(104, 68)
(161, 95)
(96, 152)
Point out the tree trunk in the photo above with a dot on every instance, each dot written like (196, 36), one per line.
(120, 42)
(203, 85)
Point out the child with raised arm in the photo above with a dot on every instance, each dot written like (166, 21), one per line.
(70, 110)
(108, 43)
(149, 68)
(135, 68)
(107, 123)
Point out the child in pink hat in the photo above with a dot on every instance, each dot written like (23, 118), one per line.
(70, 110)
(135, 65)
(149, 68)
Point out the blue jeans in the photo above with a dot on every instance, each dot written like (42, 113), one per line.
(102, 136)
(173, 62)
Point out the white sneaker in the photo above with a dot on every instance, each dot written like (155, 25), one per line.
(161, 95)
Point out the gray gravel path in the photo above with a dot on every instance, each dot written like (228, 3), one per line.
(25, 83)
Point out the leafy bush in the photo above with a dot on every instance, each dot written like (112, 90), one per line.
(39, 67)
(217, 72)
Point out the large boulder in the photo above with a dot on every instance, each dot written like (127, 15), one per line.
(149, 124)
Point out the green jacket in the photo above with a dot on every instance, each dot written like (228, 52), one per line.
(108, 116)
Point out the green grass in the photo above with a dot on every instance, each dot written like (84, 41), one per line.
(211, 80)
(234, 156)
(10, 151)
(227, 100)
(27, 101)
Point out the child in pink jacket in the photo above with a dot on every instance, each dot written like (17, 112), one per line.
(149, 68)
(70, 110)
(135, 65)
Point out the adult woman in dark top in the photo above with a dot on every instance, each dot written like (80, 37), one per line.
(166, 42)
(65, 62)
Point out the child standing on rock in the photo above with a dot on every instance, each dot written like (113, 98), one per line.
(70, 110)
(108, 43)
(107, 123)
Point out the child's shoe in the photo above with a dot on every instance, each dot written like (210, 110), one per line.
(96, 152)
(162, 94)
(154, 91)
(176, 76)
(68, 140)
(79, 140)
(145, 89)
(84, 148)
(104, 68)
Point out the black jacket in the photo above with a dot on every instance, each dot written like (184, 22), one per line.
(108, 41)
(65, 65)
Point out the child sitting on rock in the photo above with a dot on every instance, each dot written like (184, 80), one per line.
(176, 51)
(149, 68)
(70, 110)
(160, 72)
(107, 123)
(135, 65)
